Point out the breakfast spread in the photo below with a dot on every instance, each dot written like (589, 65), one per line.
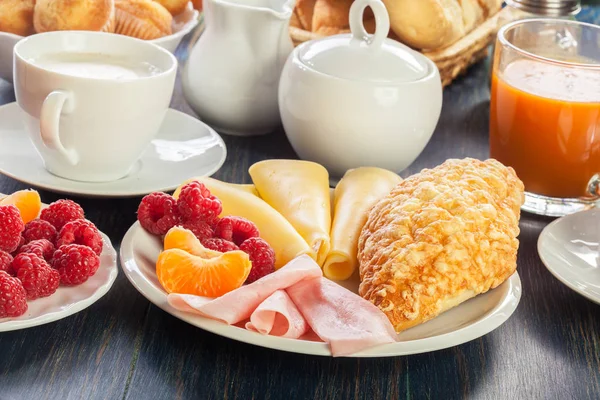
(143, 19)
(43, 248)
(265, 256)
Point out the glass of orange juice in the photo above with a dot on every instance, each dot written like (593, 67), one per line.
(545, 112)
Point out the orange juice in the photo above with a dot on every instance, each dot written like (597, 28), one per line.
(545, 123)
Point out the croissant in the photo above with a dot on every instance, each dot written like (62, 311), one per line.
(440, 238)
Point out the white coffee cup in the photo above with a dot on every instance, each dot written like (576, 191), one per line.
(88, 102)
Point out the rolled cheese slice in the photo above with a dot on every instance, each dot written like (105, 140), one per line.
(273, 227)
(299, 190)
(354, 196)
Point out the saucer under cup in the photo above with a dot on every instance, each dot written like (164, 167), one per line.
(92, 101)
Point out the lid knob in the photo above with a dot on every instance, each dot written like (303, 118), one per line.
(382, 23)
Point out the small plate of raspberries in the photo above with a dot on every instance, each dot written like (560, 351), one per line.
(53, 261)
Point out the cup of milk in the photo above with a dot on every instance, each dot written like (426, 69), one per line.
(91, 101)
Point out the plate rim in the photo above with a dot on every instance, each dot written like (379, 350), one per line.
(493, 319)
(102, 193)
(100, 292)
(561, 277)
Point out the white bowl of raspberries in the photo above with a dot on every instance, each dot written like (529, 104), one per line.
(51, 267)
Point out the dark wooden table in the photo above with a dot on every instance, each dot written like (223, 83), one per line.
(123, 347)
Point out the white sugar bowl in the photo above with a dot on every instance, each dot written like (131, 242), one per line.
(356, 99)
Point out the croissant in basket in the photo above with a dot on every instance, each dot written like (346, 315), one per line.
(439, 238)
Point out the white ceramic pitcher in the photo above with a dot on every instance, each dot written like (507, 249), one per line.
(232, 74)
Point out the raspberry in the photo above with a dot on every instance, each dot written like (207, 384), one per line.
(5, 262)
(41, 248)
(37, 277)
(196, 203)
(201, 229)
(39, 229)
(21, 243)
(13, 298)
(75, 263)
(158, 213)
(235, 229)
(262, 257)
(11, 226)
(82, 232)
(221, 245)
(62, 211)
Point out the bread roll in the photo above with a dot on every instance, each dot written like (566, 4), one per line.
(17, 16)
(175, 7)
(74, 15)
(432, 24)
(142, 19)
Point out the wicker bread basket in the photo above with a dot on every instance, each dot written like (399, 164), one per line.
(454, 59)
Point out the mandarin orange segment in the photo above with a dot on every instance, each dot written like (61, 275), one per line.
(184, 239)
(181, 272)
(27, 201)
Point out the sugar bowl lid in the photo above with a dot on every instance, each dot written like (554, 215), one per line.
(364, 57)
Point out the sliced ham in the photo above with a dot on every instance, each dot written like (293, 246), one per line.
(341, 318)
(278, 316)
(293, 300)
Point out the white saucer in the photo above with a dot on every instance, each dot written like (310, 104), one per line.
(69, 300)
(184, 147)
(570, 248)
(468, 321)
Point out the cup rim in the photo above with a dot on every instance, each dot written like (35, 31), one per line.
(138, 42)
(505, 42)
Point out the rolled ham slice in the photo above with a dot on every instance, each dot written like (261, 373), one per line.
(289, 301)
(354, 196)
(299, 190)
(278, 316)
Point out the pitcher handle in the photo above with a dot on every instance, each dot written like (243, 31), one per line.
(56, 103)
(382, 22)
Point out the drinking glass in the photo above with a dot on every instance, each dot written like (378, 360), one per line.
(545, 112)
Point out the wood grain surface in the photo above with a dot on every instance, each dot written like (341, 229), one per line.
(123, 347)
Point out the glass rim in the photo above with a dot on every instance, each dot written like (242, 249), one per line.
(505, 42)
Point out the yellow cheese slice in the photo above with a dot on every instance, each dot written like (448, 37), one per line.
(354, 196)
(299, 190)
(273, 227)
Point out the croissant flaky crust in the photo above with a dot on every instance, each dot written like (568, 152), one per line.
(439, 238)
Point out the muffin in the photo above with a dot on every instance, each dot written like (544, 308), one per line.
(197, 4)
(74, 15)
(17, 16)
(143, 19)
(175, 7)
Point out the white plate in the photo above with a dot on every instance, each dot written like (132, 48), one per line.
(182, 25)
(470, 320)
(184, 147)
(569, 247)
(68, 300)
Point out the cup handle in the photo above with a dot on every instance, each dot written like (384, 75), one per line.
(382, 22)
(55, 104)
